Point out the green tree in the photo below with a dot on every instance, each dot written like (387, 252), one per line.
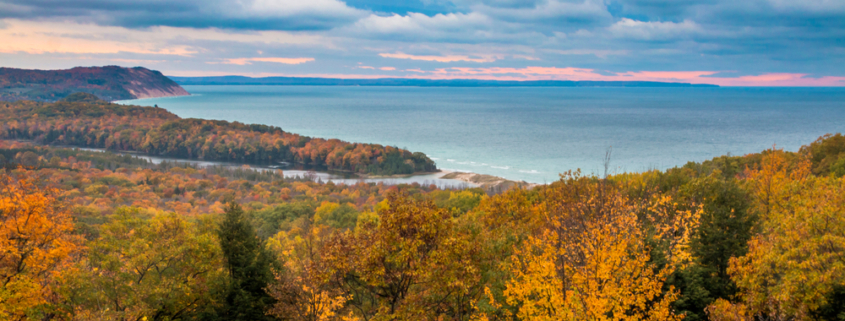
(724, 230)
(250, 267)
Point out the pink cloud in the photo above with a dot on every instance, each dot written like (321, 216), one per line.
(387, 68)
(680, 75)
(571, 73)
(278, 60)
(781, 79)
(452, 58)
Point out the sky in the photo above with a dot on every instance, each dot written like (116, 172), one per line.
(724, 42)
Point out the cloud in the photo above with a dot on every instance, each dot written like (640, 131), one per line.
(525, 57)
(813, 6)
(224, 14)
(138, 61)
(62, 37)
(595, 52)
(575, 74)
(472, 27)
(763, 41)
(40, 38)
(654, 30)
(675, 75)
(387, 68)
(427, 7)
(524, 73)
(417, 23)
(278, 60)
(453, 58)
(555, 12)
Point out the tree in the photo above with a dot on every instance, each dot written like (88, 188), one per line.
(249, 266)
(304, 291)
(591, 261)
(161, 268)
(336, 215)
(36, 243)
(409, 264)
(28, 158)
(793, 268)
(724, 230)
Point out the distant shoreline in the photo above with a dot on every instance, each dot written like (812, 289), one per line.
(416, 82)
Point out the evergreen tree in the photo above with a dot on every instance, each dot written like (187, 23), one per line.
(726, 226)
(250, 268)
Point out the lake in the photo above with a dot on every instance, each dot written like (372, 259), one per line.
(534, 133)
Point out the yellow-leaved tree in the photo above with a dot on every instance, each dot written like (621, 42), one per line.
(591, 259)
(303, 290)
(412, 263)
(35, 244)
(154, 266)
(797, 259)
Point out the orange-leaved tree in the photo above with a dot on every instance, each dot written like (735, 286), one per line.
(591, 260)
(35, 244)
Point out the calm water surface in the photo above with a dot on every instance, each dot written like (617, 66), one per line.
(533, 134)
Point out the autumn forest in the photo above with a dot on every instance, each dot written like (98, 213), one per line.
(102, 235)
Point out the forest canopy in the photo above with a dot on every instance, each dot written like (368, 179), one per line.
(103, 236)
(80, 120)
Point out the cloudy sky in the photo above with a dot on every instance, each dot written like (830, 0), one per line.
(726, 42)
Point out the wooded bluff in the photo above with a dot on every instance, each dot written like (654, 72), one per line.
(108, 82)
(85, 121)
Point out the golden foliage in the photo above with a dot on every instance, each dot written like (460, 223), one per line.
(302, 289)
(796, 259)
(411, 263)
(161, 267)
(35, 244)
(590, 260)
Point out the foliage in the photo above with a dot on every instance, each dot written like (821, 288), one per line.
(35, 244)
(795, 262)
(753, 237)
(109, 82)
(249, 266)
(407, 265)
(161, 268)
(724, 230)
(304, 291)
(336, 215)
(826, 155)
(155, 131)
(590, 260)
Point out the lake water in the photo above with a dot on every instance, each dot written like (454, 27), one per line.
(425, 180)
(533, 134)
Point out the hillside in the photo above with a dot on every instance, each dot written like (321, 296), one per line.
(82, 120)
(108, 83)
